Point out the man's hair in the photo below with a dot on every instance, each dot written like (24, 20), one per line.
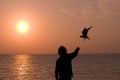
(62, 50)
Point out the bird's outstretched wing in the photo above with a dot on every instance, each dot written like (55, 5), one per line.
(90, 27)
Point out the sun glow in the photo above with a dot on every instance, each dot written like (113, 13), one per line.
(22, 27)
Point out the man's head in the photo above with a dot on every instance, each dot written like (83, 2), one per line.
(62, 51)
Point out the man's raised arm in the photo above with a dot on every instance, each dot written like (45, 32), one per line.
(75, 53)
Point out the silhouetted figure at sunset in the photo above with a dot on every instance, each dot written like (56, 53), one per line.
(63, 70)
(85, 32)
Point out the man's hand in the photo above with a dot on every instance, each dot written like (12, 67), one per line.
(77, 49)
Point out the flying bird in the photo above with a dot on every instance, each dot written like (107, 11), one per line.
(85, 32)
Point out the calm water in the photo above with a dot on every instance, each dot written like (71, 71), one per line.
(41, 67)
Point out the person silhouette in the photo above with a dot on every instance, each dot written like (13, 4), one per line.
(63, 69)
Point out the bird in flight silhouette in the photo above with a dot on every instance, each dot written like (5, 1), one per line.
(85, 32)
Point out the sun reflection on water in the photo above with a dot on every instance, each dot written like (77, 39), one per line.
(22, 66)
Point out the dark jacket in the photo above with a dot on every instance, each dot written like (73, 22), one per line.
(64, 65)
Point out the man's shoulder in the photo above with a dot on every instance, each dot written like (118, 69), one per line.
(58, 59)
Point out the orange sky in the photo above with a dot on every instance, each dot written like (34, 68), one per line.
(53, 23)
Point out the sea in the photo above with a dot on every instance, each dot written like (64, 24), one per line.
(42, 67)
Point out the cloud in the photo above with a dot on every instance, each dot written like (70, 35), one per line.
(94, 8)
(67, 12)
(101, 8)
(109, 7)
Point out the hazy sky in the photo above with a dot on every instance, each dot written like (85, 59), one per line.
(53, 23)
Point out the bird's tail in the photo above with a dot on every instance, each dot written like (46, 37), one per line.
(87, 37)
(84, 37)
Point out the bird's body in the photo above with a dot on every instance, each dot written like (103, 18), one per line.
(85, 32)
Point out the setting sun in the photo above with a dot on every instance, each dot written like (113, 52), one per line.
(22, 27)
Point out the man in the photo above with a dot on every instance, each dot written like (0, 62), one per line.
(63, 70)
